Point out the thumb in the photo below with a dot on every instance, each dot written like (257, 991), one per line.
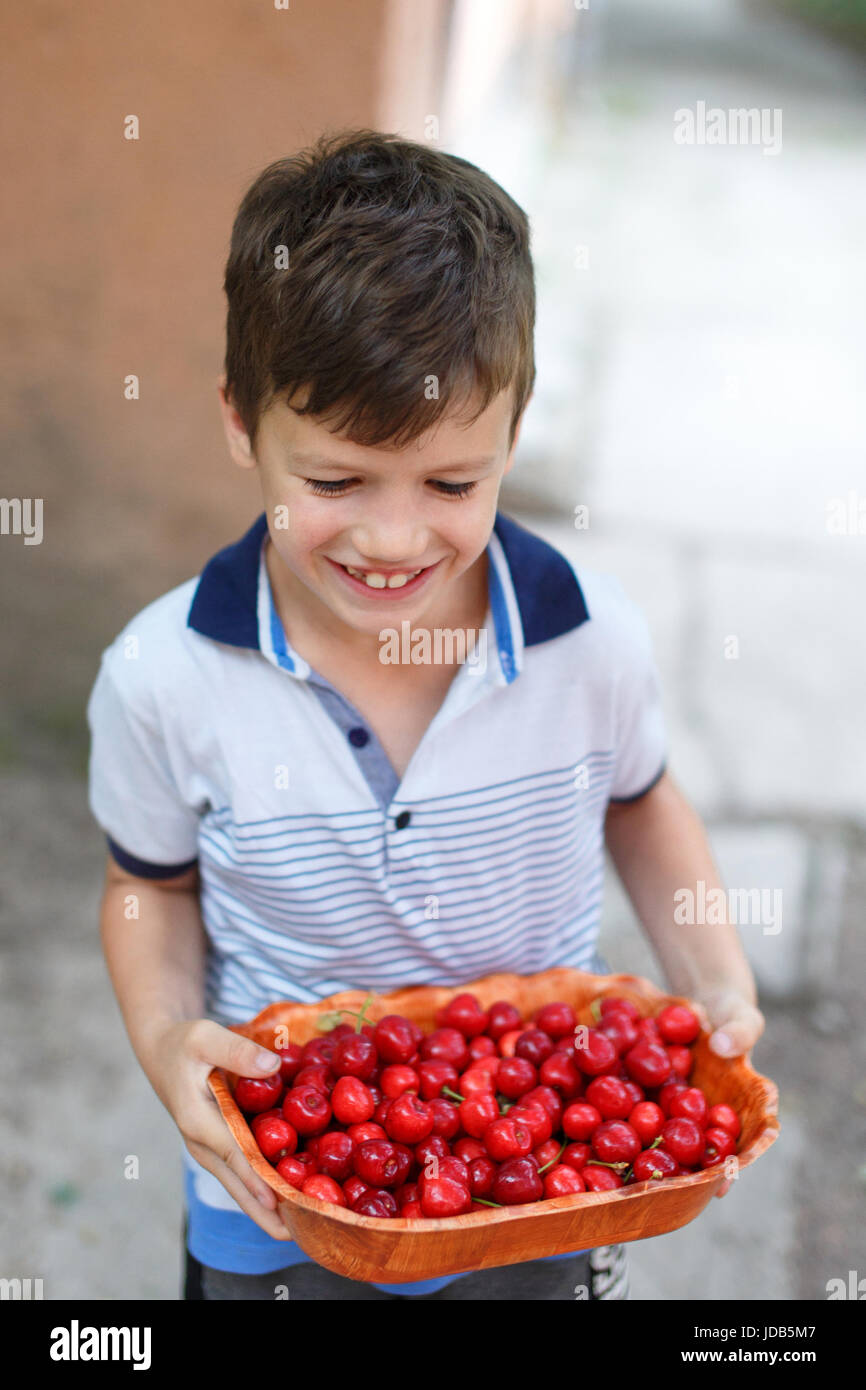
(222, 1048)
(738, 1031)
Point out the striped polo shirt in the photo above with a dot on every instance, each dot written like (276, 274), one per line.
(213, 741)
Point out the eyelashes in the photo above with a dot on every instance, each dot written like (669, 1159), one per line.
(338, 488)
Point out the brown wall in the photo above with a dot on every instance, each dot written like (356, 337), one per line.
(113, 263)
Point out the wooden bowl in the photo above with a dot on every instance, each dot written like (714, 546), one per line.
(402, 1250)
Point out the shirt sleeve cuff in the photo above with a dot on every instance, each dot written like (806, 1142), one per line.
(142, 868)
(624, 800)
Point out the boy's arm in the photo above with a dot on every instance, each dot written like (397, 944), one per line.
(154, 942)
(658, 845)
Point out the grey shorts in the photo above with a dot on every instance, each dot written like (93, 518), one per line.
(591, 1275)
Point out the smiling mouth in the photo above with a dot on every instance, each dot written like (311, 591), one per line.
(378, 579)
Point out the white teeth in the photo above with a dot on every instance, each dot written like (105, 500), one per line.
(382, 581)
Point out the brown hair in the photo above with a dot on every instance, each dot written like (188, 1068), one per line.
(403, 263)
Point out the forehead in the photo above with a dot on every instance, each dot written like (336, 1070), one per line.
(450, 440)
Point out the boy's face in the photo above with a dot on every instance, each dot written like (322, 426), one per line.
(376, 535)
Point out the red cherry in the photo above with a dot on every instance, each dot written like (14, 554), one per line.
(517, 1182)
(435, 1074)
(719, 1144)
(670, 1089)
(255, 1094)
(395, 1038)
(371, 1204)
(354, 1188)
(294, 1171)
(536, 1119)
(275, 1136)
(476, 1113)
(616, 1142)
(482, 1172)
(515, 1077)
(352, 1101)
(476, 1081)
(507, 1138)
(307, 1109)
(621, 1030)
(678, 1024)
(291, 1061)
(355, 1056)
(334, 1155)
(502, 1018)
(576, 1156)
(467, 1149)
(556, 1019)
(617, 1003)
(397, 1078)
(434, 1146)
(559, 1070)
(654, 1164)
(545, 1154)
(359, 1134)
(648, 1028)
(446, 1117)
(680, 1059)
(406, 1194)
(548, 1098)
(581, 1120)
(684, 1140)
(445, 1045)
(319, 1050)
(534, 1045)
(724, 1117)
(464, 1013)
(636, 1092)
(600, 1179)
(445, 1197)
(610, 1098)
(690, 1104)
(325, 1189)
(595, 1054)
(562, 1180)
(316, 1074)
(647, 1063)
(647, 1120)
(409, 1119)
(482, 1046)
(411, 1211)
(377, 1163)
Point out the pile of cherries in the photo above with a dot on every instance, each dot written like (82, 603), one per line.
(487, 1110)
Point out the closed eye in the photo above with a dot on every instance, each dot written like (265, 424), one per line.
(339, 486)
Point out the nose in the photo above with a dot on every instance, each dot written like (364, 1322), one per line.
(391, 532)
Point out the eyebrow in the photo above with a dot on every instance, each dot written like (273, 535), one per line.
(319, 461)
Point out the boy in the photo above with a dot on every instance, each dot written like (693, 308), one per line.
(293, 811)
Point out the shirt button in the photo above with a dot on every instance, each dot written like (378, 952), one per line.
(402, 820)
(358, 737)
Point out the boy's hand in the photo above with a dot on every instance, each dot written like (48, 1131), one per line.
(735, 1025)
(181, 1057)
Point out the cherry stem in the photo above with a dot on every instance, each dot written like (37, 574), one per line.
(447, 1091)
(485, 1203)
(617, 1167)
(364, 1007)
(552, 1161)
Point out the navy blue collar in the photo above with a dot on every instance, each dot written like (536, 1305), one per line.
(548, 595)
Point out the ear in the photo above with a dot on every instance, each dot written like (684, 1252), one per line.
(235, 432)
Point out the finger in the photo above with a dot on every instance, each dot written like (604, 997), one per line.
(210, 1131)
(737, 1034)
(724, 1188)
(269, 1221)
(220, 1047)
